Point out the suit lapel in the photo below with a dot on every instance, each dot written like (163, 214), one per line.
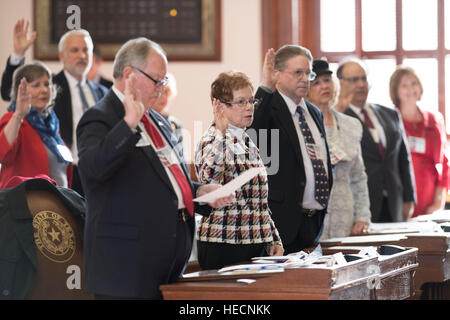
(167, 133)
(378, 113)
(149, 152)
(367, 138)
(94, 92)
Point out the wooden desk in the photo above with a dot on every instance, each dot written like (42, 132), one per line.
(396, 280)
(433, 274)
(385, 277)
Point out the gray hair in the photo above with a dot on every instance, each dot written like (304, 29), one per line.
(347, 60)
(77, 32)
(135, 53)
(289, 51)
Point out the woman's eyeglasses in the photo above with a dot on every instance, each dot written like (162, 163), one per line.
(243, 103)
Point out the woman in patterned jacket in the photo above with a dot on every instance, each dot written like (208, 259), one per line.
(243, 229)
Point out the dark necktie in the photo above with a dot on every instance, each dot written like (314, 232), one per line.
(84, 102)
(322, 188)
(178, 174)
(370, 125)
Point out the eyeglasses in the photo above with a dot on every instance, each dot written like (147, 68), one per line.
(243, 103)
(355, 79)
(160, 83)
(298, 74)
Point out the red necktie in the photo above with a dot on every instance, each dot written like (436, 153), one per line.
(179, 176)
(370, 125)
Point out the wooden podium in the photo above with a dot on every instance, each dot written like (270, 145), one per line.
(362, 279)
(59, 247)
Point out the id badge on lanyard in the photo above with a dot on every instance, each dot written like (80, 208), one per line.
(417, 144)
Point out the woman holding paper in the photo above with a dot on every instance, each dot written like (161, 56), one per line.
(30, 143)
(243, 229)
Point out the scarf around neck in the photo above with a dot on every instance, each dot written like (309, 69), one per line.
(47, 126)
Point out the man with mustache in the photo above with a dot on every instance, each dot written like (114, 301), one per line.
(384, 148)
(75, 93)
(298, 192)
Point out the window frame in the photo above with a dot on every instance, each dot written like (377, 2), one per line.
(291, 21)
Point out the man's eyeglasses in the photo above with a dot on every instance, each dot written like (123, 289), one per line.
(356, 79)
(160, 83)
(298, 74)
(243, 103)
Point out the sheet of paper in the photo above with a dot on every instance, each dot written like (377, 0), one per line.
(230, 187)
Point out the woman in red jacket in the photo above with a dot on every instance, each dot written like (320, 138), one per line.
(427, 141)
(30, 143)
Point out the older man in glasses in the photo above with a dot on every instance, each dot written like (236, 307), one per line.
(299, 190)
(384, 147)
(140, 210)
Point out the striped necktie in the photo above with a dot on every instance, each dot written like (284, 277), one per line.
(322, 189)
(84, 102)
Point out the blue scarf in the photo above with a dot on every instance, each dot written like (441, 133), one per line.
(47, 127)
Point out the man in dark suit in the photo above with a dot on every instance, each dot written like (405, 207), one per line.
(299, 189)
(75, 92)
(384, 147)
(139, 222)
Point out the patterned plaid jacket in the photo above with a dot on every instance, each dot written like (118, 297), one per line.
(220, 159)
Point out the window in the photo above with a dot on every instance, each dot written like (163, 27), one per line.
(385, 33)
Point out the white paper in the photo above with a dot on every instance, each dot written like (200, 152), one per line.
(65, 152)
(231, 186)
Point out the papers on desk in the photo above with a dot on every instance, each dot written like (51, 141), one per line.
(438, 216)
(424, 226)
(367, 239)
(231, 186)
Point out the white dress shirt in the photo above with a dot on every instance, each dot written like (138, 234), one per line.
(309, 201)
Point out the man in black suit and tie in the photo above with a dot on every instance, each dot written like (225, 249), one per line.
(140, 214)
(75, 93)
(299, 189)
(384, 147)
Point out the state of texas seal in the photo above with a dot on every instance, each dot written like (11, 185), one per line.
(54, 237)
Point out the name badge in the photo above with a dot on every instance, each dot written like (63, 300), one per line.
(314, 151)
(417, 144)
(65, 152)
(167, 156)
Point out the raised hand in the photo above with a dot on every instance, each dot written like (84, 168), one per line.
(23, 102)
(269, 78)
(344, 99)
(220, 119)
(134, 108)
(21, 40)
